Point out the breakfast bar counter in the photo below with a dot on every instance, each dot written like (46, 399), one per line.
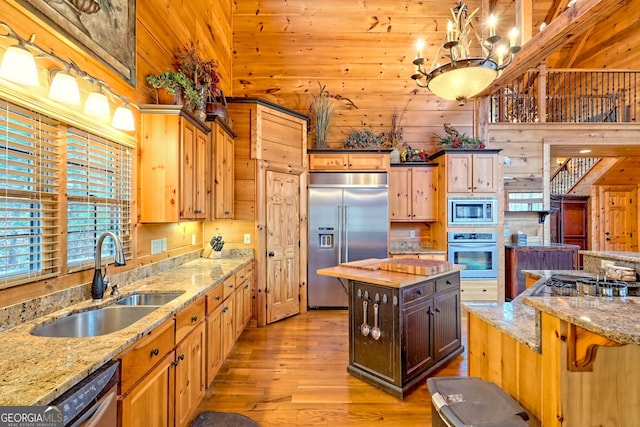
(572, 360)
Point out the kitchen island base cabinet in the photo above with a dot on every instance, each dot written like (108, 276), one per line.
(419, 331)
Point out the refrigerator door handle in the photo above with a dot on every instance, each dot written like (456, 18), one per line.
(339, 222)
(345, 227)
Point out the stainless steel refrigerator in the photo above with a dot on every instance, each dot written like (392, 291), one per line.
(348, 221)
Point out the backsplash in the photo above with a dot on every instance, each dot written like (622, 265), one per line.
(26, 311)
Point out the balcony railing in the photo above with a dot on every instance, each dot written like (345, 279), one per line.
(570, 173)
(568, 96)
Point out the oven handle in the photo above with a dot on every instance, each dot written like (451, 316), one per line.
(472, 245)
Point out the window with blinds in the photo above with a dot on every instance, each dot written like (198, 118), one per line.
(98, 196)
(29, 188)
(38, 155)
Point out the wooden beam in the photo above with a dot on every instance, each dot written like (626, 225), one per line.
(568, 26)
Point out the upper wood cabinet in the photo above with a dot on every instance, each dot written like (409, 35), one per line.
(174, 154)
(337, 161)
(222, 162)
(412, 193)
(467, 172)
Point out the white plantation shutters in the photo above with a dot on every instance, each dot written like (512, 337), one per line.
(29, 191)
(98, 196)
(57, 181)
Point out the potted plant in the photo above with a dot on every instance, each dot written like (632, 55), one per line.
(201, 72)
(168, 85)
(322, 107)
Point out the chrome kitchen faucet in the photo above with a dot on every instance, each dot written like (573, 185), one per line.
(100, 284)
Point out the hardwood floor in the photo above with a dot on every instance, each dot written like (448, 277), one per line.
(294, 373)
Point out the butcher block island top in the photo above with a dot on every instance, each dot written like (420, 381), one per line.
(381, 271)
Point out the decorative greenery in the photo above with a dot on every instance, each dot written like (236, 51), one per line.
(174, 82)
(365, 138)
(201, 72)
(323, 105)
(454, 139)
(322, 108)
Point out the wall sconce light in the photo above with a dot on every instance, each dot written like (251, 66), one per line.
(18, 65)
(64, 88)
(123, 119)
(97, 105)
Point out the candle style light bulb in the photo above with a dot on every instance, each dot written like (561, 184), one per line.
(493, 21)
(420, 46)
(450, 31)
(513, 35)
(500, 52)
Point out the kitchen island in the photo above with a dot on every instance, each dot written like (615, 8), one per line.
(568, 360)
(401, 326)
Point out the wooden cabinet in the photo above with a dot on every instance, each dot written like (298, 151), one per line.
(174, 154)
(325, 160)
(227, 324)
(468, 171)
(518, 258)
(190, 374)
(223, 180)
(412, 194)
(479, 290)
(163, 376)
(151, 402)
(420, 331)
(271, 202)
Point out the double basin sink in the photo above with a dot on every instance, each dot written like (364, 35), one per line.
(105, 320)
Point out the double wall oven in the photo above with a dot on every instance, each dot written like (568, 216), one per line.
(478, 251)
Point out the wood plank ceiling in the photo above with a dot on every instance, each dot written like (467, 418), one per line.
(363, 51)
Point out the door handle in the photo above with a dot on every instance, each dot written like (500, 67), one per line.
(271, 253)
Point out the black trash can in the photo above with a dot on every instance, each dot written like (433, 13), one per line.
(471, 401)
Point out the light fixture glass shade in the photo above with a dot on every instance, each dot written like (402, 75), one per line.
(19, 66)
(123, 119)
(64, 88)
(97, 105)
(466, 79)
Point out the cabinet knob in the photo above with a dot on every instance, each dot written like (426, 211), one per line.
(419, 291)
(218, 298)
(271, 254)
(155, 352)
(194, 319)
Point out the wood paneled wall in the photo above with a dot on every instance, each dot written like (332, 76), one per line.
(362, 51)
(162, 26)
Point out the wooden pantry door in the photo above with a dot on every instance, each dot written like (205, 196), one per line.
(282, 244)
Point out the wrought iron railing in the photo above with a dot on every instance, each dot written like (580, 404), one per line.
(568, 96)
(570, 173)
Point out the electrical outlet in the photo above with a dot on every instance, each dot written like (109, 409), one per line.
(412, 233)
(247, 239)
(156, 246)
(164, 244)
(193, 239)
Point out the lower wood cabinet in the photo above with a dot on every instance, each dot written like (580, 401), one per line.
(163, 386)
(190, 374)
(419, 331)
(151, 402)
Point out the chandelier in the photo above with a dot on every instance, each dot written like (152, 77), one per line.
(470, 69)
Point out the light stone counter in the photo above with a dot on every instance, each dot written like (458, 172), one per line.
(613, 318)
(36, 370)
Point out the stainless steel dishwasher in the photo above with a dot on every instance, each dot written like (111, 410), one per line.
(93, 402)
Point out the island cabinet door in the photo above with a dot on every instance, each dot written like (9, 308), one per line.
(375, 349)
(417, 345)
(446, 327)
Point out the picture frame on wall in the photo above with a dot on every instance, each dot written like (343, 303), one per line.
(104, 28)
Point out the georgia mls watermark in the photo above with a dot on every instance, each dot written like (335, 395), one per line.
(31, 416)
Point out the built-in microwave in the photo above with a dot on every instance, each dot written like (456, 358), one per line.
(473, 211)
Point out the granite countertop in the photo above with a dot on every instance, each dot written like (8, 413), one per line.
(613, 318)
(549, 246)
(417, 251)
(36, 370)
(390, 279)
(619, 255)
